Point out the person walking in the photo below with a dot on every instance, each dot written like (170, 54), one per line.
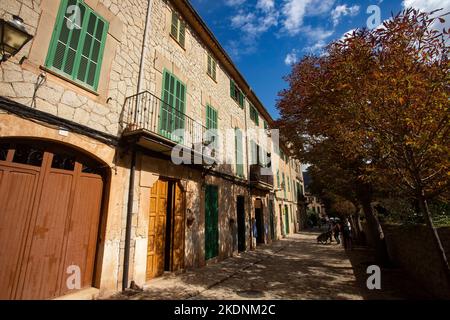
(337, 231)
(347, 233)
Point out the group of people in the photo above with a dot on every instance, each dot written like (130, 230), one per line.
(338, 228)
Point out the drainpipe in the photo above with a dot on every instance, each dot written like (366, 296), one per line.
(126, 259)
(147, 28)
(248, 177)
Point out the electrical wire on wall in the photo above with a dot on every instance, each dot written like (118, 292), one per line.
(40, 80)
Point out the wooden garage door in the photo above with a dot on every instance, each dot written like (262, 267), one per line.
(50, 201)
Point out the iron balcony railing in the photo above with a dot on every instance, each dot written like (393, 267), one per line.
(145, 111)
(256, 176)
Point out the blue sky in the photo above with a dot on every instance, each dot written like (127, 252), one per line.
(264, 37)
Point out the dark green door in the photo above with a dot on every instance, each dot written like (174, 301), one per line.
(211, 222)
(241, 222)
(272, 221)
(286, 215)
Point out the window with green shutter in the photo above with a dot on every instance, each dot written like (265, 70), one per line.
(254, 116)
(289, 184)
(77, 44)
(239, 155)
(178, 29)
(172, 111)
(236, 94)
(266, 125)
(284, 185)
(254, 152)
(212, 67)
(211, 124)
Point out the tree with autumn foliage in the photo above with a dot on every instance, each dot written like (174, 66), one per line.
(376, 106)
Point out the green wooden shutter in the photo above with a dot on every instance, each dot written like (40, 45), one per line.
(209, 71)
(284, 184)
(173, 107)
(212, 123)
(214, 68)
(182, 32)
(232, 89)
(174, 25)
(241, 99)
(239, 153)
(76, 50)
(211, 222)
(254, 152)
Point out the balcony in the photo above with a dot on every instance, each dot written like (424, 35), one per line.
(158, 126)
(259, 180)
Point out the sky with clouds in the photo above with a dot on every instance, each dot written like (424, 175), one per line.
(265, 37)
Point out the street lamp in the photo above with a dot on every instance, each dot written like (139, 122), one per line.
(13, 37)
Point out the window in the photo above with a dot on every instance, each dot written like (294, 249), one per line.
(254, 114)
(178, 29)
(254, 152)
(236, 94)
(172, 116)
(77, 44)
(212, 66)
(211, 124)
(239, 153)
(266, 125)
(284, 185)
(289, 184)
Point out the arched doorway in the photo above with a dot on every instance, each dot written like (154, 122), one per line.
(50, 204)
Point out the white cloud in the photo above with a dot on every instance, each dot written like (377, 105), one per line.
(265, 5)
(427, 5)
(319, 7)
(431, 5)
(316, 34)
(316, 47)
(291, 58)
(317, 38)
(343, 10)
(294, 11)
(233, 3)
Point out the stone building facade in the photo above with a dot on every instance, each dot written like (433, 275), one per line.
(156, 68)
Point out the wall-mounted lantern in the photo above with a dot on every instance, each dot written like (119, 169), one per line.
(13, 37)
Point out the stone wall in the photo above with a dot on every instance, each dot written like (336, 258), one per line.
(118, 79)
(411, 248)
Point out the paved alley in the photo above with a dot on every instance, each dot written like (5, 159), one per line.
(293, 268)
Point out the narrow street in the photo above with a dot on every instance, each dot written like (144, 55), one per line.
(293, 268)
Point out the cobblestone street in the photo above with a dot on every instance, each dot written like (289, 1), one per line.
(293, 268)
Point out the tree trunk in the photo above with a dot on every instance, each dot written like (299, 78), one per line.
(435, 236)
(359, 239)
(375, 231)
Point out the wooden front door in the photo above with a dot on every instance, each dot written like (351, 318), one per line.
(176, 261)
(211, 222)
(157, 229)
(50, 202)
(165, 251)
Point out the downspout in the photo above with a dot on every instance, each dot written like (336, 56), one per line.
(126, 259)
(248, 177)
